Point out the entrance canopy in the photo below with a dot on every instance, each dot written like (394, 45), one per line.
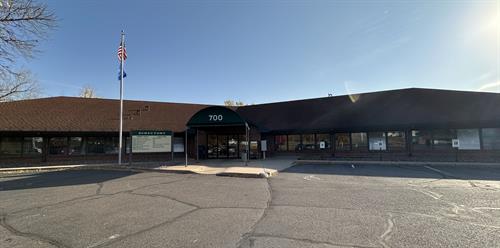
(215, 116)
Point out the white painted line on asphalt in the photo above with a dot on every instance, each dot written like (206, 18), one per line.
(478, 209)
(114, 236)
(434, 195)
(308, 178)
(437, 170)
(386, 235)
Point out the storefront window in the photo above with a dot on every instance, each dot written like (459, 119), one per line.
(491, 138)
(396, 140)
(128, 145)
(421, 139)
(325, 138)
(294, 142)
(442, 139)
(377, 141)
(280, 143)
(308, 142)
(57, 145)
(211, 146)
(243, 144)
(468, 139)
(32, 146)
(107, 145)
(342, 142)
(76, 146)
(359, 141)
(11, 146)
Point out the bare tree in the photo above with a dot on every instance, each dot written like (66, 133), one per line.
(87, 91)
(233, 103)
(23, 23)
(18, 86)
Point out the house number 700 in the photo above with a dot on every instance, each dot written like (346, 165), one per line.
(215, 117)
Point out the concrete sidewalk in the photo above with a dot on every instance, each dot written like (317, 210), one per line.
(255, 168)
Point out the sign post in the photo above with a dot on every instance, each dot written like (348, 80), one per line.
(263, 148)
(455, 143)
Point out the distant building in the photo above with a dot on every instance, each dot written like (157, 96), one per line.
(408, 124)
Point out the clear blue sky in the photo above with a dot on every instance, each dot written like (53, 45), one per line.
(265, 51)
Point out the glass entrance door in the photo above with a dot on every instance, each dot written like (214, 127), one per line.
(233, 146)
(225, 146)
(212, 146)
(222, 146)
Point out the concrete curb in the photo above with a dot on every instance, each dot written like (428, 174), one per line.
(264, 174)
(411, 163)
(19, 170)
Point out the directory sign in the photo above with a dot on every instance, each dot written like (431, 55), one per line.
(151, 141)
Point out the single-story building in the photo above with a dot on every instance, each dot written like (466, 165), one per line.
(406, 124)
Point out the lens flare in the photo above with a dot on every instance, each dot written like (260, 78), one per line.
(348, 88)
(486, 87)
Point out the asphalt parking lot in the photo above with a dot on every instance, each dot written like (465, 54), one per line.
(305, 206)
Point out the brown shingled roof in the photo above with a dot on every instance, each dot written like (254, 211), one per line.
(73, 114)
(397, 109)
(394, 109)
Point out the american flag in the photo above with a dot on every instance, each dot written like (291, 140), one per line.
(122, 52)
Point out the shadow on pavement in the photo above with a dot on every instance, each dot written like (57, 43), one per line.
(58, 178)
(403, 171)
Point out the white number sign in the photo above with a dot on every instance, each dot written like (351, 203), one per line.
(215, 117)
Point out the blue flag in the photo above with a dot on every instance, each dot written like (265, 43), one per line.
(119, 74)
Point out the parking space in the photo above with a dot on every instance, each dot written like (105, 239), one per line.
(304, 206)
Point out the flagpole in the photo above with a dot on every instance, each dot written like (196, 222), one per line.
(122, 62)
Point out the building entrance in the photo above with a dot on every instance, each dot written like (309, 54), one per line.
(227, 134)
(225, 145)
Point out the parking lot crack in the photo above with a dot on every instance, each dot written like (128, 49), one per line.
(166, 197)
(99, 188)
(264, 213)
(147, 229)
(309, 241)
(83, 198)
(32, 236)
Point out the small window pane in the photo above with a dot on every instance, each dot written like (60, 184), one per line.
(95, 145)
(491, 138)
(396, 140)
(107, 145)
(128, 144)
(33, 146)
(308, 142)
(342, 142)
(111, 145)
(468, 139)
(11, 146)
(243, 144)
(442, 139)
(294, 142)
(57, 145)
(421, 139)
(323, 137)
(76, 146)
(359, 141)
(280, 142)
(377, 141)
